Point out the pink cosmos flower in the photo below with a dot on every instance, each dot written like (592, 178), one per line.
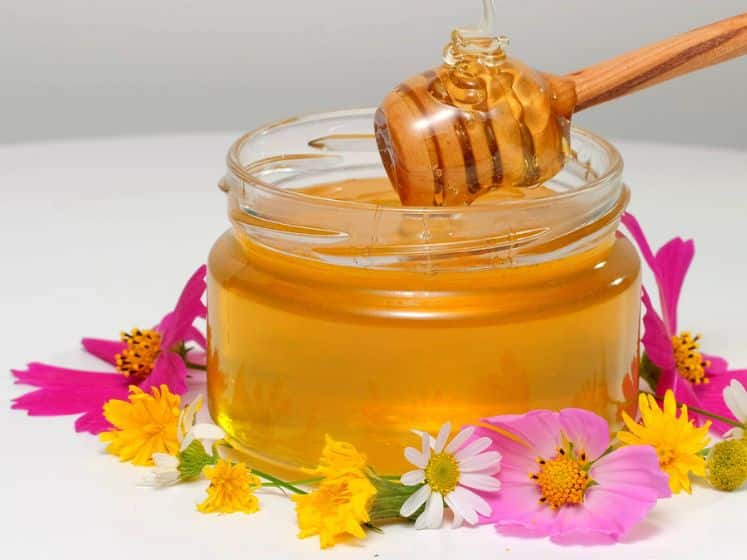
(146, 358)
(697, 380)
(560, 482)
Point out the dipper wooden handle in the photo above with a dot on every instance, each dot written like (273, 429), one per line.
(483, 121)
(657, 63)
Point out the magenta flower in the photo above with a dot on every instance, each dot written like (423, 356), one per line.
(696, 379)
(146, 358)
(560, 482)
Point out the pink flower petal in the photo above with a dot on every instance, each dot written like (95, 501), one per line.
(657, 340)
(94, 422)
(197, 357)
(718, 365)
(64, 391)
(194, 335)
(673, 260)
(516, 457)
(635, 467)
(540, 429)
(516, 510)
(168, 370)
(628, 484)
(636, 232)
(669, 265)
(106, 350)
(587, 431)
(176, 326)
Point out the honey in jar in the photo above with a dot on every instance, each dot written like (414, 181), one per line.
(335, 310)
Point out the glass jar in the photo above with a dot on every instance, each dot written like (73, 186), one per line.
(333, 310)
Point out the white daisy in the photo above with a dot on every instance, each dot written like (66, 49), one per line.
(448, 474)
(735, 397)
(165, 473)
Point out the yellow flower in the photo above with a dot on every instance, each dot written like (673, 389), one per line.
(231, 489)
(336, 509)
(676, 439)
(144, 425)
(340, 458)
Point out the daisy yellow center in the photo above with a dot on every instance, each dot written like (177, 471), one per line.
(689, 360)
(442, 473)
(137, 360)
(562, 480)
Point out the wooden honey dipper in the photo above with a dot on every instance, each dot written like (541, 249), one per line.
(483, 120)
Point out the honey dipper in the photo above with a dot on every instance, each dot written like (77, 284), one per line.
(483, 120)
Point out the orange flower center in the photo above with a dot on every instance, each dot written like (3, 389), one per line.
(562, 480)
(137, 360)
(690, 362)
(666, 456)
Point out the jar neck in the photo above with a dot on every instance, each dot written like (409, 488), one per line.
(432, 242)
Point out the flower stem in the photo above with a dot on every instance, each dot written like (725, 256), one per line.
(715, 417)
(279, 483)
(190, 365)
(306, 482)
(702, 412)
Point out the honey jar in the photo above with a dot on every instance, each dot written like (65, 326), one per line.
(335, 310)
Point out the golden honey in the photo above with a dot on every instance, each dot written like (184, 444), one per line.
(333, 310)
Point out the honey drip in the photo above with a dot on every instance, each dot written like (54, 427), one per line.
(478, 122)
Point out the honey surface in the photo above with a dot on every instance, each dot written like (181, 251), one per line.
(301, 348)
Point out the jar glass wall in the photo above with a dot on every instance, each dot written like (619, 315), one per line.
(335, 311)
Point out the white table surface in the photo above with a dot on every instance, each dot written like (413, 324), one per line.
(99, 235)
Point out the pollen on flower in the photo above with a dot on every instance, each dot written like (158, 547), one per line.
(562, 480)
(442, 473)
(137, 360)
(666, 455)
(689, 360)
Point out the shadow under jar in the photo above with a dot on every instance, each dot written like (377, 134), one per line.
(334, 310)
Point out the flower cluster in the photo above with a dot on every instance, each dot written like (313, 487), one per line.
(673, 359)
(142, 358)
(551, 474)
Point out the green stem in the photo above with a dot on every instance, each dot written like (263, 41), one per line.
(306, 482)
(190, 365)
(715, 417)
(702, 412)
(280, 483)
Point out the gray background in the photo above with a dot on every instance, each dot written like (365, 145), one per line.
(72, 68)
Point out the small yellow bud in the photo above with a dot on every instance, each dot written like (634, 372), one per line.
(727, 465)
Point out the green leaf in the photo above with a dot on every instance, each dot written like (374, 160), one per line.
(390, 496)
(193, 459)
(649, 371)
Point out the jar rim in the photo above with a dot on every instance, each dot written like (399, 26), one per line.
(612, 172)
